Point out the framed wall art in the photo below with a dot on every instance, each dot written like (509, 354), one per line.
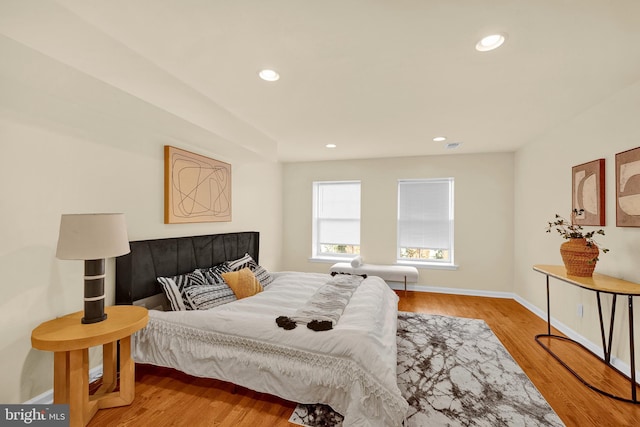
(628, 188)
(588, 193)
(196, 188)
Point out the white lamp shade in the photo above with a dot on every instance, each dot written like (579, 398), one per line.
(92, 236)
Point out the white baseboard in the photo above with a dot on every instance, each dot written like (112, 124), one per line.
(42, 399)
(399, 286)
(47, 397)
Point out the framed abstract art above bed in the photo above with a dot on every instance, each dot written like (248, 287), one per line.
(196, 188)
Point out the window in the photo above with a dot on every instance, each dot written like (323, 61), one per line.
(425, 220)
(336, 218)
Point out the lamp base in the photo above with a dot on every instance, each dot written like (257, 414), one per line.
(94, 291)
(86, 320)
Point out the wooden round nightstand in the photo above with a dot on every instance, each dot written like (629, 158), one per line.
(70, 341)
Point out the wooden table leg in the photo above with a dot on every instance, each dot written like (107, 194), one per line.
(127, 371)
(127, 380)
(75, 380)
(61, 377)
(71, 385)
(109, 368)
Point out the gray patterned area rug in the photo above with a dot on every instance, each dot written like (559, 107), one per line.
(454, 372)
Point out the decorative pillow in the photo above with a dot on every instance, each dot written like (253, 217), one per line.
(240, 263)
(214, 274)
(242, 282)
(209, 296)
(261, 273)
(173, 294)
(174, 287)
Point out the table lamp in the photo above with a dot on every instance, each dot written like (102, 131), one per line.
(92, 238)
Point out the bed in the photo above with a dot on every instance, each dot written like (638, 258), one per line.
(351, 367)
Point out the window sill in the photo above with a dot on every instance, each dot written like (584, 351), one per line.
(429, 265)
(330, 260)
(417, 264)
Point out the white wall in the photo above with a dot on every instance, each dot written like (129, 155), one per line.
(543, 188)
(73, 144)
(483, 214)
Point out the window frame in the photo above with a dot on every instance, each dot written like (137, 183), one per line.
(316, 250)
(433, 263)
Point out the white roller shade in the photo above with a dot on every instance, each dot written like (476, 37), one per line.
(425, 214)
(338, 212)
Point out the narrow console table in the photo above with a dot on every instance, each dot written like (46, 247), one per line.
(70, 341)
(599, 283)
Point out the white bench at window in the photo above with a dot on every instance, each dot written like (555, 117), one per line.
(388, 273)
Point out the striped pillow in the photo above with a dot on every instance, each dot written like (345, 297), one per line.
(240, 263)
(209, 296)
(261, 273)
(214, 274)
(174, 288)
(173, 294)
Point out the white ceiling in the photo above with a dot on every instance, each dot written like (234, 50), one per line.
(379, 78)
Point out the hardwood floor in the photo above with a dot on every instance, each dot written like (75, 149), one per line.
(166, 397)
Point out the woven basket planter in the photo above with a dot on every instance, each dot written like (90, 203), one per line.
(579, 259)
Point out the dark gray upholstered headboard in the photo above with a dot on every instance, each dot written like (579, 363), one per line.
(136, 272)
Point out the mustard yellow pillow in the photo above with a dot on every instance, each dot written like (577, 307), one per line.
(243, 283)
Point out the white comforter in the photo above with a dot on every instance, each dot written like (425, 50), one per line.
(352, 367)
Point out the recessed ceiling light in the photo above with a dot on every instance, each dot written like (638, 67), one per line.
(269, 75)
(331, 145)
(491, 42)
(440, 138)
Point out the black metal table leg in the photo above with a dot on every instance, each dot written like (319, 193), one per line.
(613, 316)
(548, 310)
(606, 345)
(632, 352)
